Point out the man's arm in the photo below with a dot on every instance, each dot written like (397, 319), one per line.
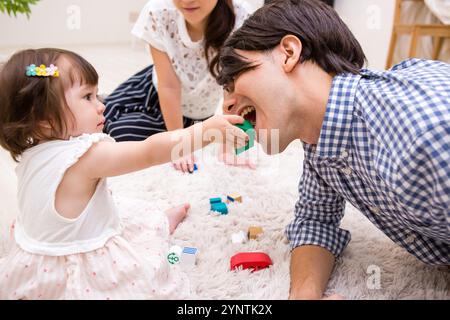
(314, 234)
(311, 268)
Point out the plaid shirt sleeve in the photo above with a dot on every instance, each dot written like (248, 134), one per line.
(318, 214)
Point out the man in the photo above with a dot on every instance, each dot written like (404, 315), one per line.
(380, 140)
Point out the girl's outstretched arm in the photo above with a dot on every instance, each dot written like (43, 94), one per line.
(108, 159)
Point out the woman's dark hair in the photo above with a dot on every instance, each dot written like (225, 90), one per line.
(326, 40)
(26, 103)
(220, 24)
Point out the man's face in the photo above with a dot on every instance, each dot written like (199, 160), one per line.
(266, 97)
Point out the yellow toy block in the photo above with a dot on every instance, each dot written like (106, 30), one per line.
(234, 197)
(254, 232)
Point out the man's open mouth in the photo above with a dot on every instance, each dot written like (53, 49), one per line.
(249, 113)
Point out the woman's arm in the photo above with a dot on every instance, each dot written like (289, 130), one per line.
(169, 90)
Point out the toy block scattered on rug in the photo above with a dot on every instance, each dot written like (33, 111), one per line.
(189, 257)
(234, 197)
(238, 238)
(254, 232)
(250, 260)
(174, 255)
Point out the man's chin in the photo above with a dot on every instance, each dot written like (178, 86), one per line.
(272, 149)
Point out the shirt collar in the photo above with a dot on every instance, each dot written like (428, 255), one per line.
(335, 134)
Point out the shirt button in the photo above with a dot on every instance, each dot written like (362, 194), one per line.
(347, 171)
(375, 210)
(410, 239)
(344, 154)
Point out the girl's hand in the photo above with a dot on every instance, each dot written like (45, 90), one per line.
(185, 164)
(221, 129)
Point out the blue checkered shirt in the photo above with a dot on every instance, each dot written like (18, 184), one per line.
(385, 148)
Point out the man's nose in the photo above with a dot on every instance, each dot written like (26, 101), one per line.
(229, 106)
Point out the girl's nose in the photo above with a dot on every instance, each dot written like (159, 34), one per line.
(101, 107)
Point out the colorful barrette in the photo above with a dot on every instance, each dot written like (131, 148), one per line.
(42, 71)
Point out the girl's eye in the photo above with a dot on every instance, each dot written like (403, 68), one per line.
(88, 97)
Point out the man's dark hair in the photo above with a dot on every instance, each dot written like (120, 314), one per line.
(325, 38)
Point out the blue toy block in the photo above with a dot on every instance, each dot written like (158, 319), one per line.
(188, 250)
(195, 167)
(219, 207)
(215, 200)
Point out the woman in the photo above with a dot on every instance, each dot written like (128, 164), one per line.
(184, 37)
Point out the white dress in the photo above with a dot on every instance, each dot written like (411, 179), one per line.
(113, 250)
(161, 25)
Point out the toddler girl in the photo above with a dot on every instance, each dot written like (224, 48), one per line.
(71, 241)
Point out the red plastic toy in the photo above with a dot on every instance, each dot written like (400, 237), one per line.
(250, 260)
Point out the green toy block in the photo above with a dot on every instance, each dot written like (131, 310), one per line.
(219, 207)
(215, 200)
(248, 128)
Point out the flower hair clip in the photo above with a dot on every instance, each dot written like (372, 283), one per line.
(42, 71)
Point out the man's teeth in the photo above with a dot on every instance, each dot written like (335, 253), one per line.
(247, 111)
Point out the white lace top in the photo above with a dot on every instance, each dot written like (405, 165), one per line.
(162, 26)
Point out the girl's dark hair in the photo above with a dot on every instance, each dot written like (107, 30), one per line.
(325, 38)
(27, 104)
(220, 24)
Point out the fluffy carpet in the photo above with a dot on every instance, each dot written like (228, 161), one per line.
(372, 267)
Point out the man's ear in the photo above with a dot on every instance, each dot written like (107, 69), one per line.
(291, 49)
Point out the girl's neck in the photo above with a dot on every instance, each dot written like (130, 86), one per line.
(197, 31)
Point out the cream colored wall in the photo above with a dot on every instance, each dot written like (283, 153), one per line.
(61, 22)
(371, 23)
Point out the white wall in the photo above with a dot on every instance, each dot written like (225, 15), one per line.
(55, 22)
(68, 22)
(371, 22)
(61, 22)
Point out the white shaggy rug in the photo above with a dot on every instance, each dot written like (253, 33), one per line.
(269, 194)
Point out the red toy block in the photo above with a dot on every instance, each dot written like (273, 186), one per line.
(250, 260)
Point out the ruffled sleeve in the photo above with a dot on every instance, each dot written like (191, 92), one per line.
(82, 144)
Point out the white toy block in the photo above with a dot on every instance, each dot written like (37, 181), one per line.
(240, 237)
(174, 255)
(189, 257)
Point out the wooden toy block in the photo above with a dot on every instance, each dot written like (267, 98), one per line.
(238, 238)
(219, 207)
(234, 197)
(189, 257)
(254, 232)
(247, 128)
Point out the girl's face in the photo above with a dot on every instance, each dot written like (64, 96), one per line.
(87, 110)
(195, 12)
